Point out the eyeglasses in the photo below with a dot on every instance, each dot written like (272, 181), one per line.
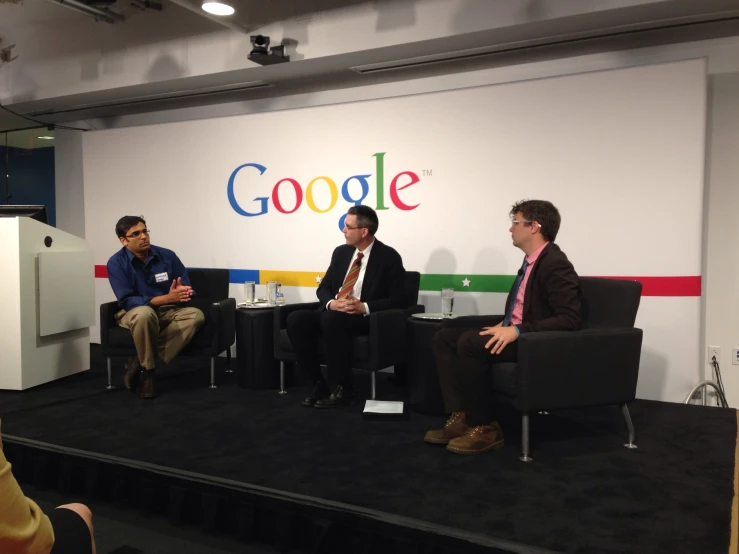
(515, 222)
(350, 228)
(137, 234)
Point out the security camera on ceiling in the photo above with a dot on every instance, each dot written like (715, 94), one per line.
(262, 54)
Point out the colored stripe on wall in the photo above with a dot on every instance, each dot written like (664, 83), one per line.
(243, 275)
(652, 286)
(292, 278)
(666, 286)
(474, 283)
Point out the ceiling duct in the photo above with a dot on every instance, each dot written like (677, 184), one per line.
(156, 98)
(518, 46)
(100, 14)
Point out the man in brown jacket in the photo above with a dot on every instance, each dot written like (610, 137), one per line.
(545, 297)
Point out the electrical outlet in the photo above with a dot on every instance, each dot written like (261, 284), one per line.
(735, 356)
(714, 351)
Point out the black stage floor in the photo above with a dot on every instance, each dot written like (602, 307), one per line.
(257, 464)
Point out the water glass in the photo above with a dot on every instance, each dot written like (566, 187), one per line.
(447, 302)
(249, 292)
(272, 293)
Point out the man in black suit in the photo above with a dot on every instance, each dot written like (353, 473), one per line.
(364, 276)
(545, 297)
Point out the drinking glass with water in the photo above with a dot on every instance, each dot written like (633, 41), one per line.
(272, 293)
(447, 302)
(249, 292)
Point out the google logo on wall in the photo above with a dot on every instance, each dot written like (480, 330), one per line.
(400, 182)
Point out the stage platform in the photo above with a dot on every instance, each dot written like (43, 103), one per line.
(257, 465)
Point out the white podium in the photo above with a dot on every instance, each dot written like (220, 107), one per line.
(47, 303)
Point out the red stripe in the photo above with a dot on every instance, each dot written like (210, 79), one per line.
(666, 286)
(101, 272)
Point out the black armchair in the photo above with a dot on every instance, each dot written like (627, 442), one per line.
(597, 365)
(383, 347)
(216, 335)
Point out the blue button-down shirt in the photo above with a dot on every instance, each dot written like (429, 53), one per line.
(135, 282)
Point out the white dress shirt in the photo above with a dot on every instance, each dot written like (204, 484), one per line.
(357, 290)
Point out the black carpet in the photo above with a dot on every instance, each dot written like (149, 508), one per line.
(584, 492)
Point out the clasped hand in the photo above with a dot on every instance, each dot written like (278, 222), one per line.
(348, 304)
(179, 292)
(500, 337)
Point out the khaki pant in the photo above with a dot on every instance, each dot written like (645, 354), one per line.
(165, 331)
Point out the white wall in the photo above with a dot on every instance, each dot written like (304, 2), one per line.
(721, 229)
(70, 192)
(717, 324)
(591, 143)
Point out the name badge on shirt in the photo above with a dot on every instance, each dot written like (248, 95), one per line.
(161, 277)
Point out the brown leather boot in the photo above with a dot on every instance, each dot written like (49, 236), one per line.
(455, 427)
(133, 372)
(478, 439)
(147, 389)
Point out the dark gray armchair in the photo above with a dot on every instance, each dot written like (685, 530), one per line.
(597, 365)
(216, 335)
(385, 345)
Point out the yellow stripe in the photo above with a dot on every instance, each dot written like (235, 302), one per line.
(734, 542)
(291, 278)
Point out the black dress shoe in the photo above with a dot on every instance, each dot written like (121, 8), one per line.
(320, 391)
(339, 398)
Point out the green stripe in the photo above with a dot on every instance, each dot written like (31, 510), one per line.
(478, 283)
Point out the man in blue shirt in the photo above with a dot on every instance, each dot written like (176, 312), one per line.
(151, 286)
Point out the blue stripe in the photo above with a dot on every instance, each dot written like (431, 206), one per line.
(243, 275)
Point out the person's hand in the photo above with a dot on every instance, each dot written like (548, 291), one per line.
(352, 305)
(179, 286)
(500, 337)
(178, 292)
(336, 305)
(348, 305)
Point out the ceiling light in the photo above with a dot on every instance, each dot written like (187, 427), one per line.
(46, 138)
(217, 8)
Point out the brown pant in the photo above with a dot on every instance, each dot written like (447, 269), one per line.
(165, 331)
(463, 364)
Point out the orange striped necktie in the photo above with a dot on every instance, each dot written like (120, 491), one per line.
(351, 277)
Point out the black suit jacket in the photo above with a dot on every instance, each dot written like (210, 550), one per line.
(384, 278)
(551, 301)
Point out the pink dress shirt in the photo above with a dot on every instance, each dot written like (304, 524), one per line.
(517, 314)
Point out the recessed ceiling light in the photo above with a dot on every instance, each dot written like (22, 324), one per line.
(217, 8)
(46, 138)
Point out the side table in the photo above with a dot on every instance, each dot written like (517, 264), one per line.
(423, 380)
(255, 364)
